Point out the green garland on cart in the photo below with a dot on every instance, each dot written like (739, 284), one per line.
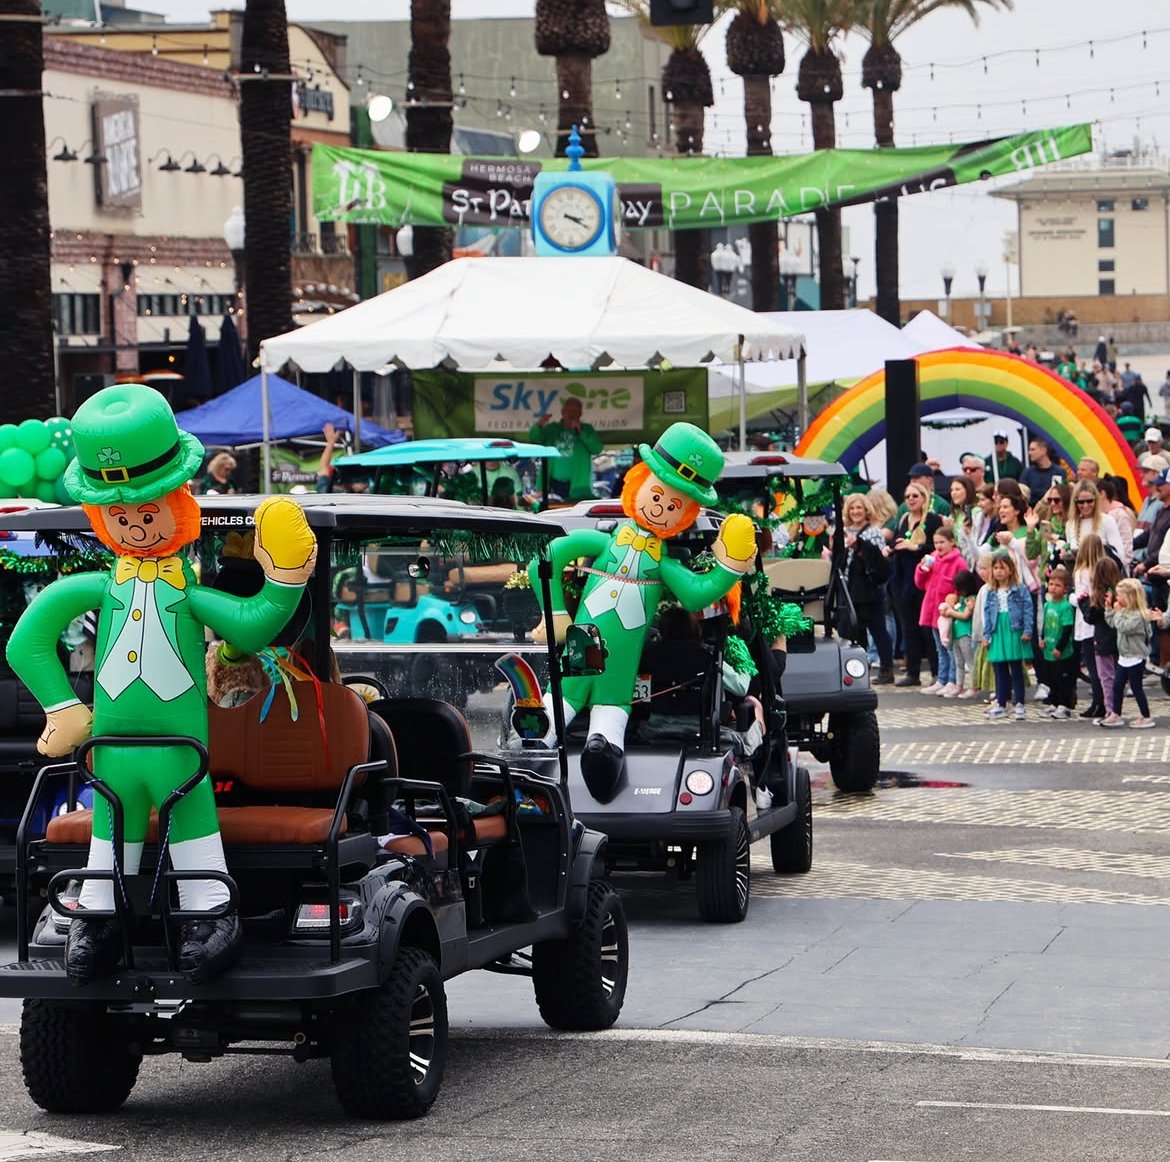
(771, 618)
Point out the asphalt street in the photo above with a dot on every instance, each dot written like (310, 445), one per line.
(975, 968)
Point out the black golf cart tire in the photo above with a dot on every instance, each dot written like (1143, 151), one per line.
(371, 1055)
(792, 845)
(723, 881)
(76, 1057)
(855, 751)
(573, 989)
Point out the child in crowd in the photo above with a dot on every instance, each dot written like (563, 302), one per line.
(935, 574)
(1106, 575)
(1057, 648)
(982, 675)
(1008, 621)
(1126, 613)
(1089, 552)
(957, 612)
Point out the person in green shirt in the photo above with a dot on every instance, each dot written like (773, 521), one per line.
(572, 475)
(1005, 466)
(1059, 667)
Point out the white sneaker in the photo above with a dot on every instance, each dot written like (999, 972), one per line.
(1050, 712)
(1061, 712)
(948, 691)
(1112, 720)
(933, 688)
(1142, 724)
(1041, 692)
(996, 712)
(763, 799)
(967, 694)
(1020, 711)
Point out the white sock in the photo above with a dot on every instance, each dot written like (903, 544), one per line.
(204, 854)
(610, 722)
(551, 738)
(99, 894)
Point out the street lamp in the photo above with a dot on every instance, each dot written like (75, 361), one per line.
(724, 262)
(789, 271)
(981, 275)
(852, 276)
(948, 276)
(404, 240)
(234, 232)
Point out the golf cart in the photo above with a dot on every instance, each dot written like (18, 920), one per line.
(701, 783)
(372, 852)
(832, 708)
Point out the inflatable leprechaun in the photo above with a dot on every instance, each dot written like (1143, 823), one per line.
(662, 497)
(130, 474)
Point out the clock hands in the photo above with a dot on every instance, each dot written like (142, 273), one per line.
(574, 218)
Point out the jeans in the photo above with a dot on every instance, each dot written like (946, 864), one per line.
(1133, 676)
(1009, 675)
(946, 660)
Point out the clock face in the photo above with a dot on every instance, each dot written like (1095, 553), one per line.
(570, 217)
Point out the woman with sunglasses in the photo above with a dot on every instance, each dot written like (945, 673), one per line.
(913, 539)
(1089, 516)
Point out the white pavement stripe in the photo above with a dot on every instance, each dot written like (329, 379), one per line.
(34, 1145)
(1070, 810)
(839, 879)
(1105, 748)
(1145, 778)
(992, 1105)
(1155, 867)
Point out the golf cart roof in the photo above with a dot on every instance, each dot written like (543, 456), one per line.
(360, 512)
(587, 514)
(757, 465)
(438, 451)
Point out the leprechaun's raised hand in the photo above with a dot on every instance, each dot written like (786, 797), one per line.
(735, 547)
(285, 546)
(65, 730)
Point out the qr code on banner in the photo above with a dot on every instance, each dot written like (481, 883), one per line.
(674, 403)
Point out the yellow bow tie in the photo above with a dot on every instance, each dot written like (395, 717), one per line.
(640, 541)
(148, 569)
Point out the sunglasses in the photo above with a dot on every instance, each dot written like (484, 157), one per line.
(1085, 500)
(968, 468)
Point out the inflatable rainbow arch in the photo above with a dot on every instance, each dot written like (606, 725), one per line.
(986, 381)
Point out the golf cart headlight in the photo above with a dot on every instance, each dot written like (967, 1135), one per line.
(856, 668)
(468, 616)
(700, 783)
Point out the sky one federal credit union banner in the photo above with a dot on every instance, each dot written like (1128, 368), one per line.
(427, 189)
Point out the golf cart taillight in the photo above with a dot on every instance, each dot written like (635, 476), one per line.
(769, 459)
(314, 917)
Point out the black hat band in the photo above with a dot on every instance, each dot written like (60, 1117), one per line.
(684, 470)
(125, 475)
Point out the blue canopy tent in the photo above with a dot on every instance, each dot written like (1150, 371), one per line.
(237, 418)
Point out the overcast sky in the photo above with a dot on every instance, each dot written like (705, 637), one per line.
(1047, 63)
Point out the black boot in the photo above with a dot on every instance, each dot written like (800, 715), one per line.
(909, 680)
(885, 676)
(209, 947)
(601, 767)
(1093, 710)
(92, 949)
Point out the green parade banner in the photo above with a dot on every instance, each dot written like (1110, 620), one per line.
(625, 407)
(424, 189)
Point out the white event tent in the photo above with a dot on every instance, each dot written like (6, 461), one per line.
(926, 327)
(583, 312)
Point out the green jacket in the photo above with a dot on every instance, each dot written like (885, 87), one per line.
(574, 469)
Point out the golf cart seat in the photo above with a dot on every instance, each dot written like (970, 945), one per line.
(678, 672)
(803, 581)
(289, 772)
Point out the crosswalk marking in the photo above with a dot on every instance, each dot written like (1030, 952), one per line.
(35, 1145)
(1154, 867)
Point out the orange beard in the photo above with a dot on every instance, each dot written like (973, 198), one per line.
(635, 478)
(184, 508)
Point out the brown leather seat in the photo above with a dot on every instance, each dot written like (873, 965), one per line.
(278, 757)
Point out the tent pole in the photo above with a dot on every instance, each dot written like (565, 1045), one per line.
(742, 396)
(802, 393)
(357, 410)
(265, 429)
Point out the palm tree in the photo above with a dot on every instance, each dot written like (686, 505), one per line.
(883, 21)
(819, 23)
(267, 153)
(428, 115)
(26, 298)
(686, 88)
(573, 31)
(755, 51)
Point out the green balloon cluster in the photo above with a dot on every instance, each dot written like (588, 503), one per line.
(33, 458)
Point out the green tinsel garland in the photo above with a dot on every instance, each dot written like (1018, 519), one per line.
(771, 618)
(736, 654)
(70, 563)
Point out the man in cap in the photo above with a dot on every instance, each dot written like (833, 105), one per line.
(1151, 467)
(662, 497)
(1152, 442)
(923, 474)
(131, 476)
(1003, 465)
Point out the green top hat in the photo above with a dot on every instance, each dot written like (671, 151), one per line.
(129, 448)
(686, 458)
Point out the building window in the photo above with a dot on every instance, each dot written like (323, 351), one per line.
(1106, 265)
(1105, 233)
(1106, 286)
(77, 314)
(1140, 204)
(1105, 206)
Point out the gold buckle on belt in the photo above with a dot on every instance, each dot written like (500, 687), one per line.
(115, 475)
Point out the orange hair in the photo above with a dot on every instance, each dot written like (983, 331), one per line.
(184, 508)
(635, 478)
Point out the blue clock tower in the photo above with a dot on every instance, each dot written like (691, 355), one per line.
(574, 213)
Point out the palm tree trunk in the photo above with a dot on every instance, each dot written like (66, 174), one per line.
(885, 218)
(429, 116)
(763, 236)
(691, 247)
(824, 131)
(267, 151)
(27, 383)
(575, 77)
